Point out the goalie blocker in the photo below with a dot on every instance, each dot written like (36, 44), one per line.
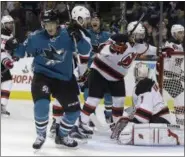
(152, 134)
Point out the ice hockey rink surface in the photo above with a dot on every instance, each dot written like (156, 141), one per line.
(18, 135)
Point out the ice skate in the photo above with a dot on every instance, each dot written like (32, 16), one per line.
(39, 141)
(77, 135)
(85, 129)
(4, 112)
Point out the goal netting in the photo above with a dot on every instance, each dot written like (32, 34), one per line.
(172, 84)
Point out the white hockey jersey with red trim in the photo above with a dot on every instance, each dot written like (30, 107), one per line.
(148, 104)
(115, 66)
(176, 47)
(4, 53)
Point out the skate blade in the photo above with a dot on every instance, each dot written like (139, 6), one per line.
(88, 136)
(60, 146)
(36, 151)
(81, 141)
(5, 115)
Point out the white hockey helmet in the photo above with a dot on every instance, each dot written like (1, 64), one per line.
(139, 32)
(80, 14)
(176, 32)
(176, 28)
(139, 29)
(141, 71)
(6, 19)
(7, 22)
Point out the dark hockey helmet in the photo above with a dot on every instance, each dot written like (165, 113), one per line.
(119, 43)
(49, 15)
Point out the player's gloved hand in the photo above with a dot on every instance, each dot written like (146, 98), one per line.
(166, 52)
(95, 48)
(84, 77)
(15, 58)
(7, 63)
(74, 30)
(11, 44)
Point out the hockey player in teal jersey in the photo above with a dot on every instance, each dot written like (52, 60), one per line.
(52, 49)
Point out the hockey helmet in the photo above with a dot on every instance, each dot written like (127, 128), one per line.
(177, 31)
(119, 43)
(81, 15)
(138, 33)
(49, 15)
(141, 71)
(7, 22)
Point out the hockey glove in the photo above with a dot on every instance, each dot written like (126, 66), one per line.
(74, 30)
(84, 77)
(95, 48)
(7, 63)
(11, 44)
(15, 58)
(166, 52)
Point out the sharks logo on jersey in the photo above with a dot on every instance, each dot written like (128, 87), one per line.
(54, 56)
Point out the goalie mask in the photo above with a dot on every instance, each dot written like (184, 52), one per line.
(81, 15)
(141, 71)
(139, 32)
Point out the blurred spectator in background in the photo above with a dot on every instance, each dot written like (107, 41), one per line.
(18, 14)
(26, 15)
(32, 14)
(115, 25)
(9, 6)
(63, 13)
(48, 5)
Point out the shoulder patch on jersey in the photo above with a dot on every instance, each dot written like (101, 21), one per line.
(144, 85)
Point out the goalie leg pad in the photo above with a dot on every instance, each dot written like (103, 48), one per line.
(152, 134)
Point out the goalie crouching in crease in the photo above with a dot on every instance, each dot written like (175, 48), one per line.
(148, 122)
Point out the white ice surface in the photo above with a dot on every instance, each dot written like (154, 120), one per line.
(18, 135)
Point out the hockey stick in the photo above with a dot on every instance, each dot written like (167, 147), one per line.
(123, 20)
(98, 124)
(93, 116)
(74, 39)
(138, 22)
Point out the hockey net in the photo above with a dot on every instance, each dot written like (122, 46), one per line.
(171, 80)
